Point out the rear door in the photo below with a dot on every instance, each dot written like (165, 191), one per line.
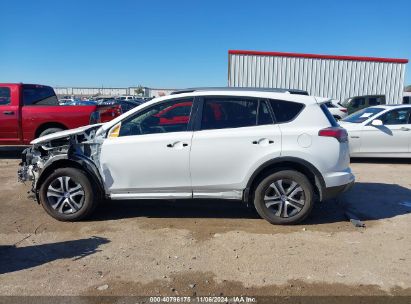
(233, 136)
(9, 115)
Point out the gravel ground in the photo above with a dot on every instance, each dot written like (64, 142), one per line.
(209, 247)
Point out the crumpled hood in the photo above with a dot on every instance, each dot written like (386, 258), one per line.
(63, 134)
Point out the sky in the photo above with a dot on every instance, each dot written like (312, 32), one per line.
(177, 44)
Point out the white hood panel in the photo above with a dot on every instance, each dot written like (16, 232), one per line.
(62, 134)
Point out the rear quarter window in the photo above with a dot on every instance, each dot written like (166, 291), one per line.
(36, 95)
(285, 111)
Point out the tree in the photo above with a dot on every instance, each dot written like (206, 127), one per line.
(407, 88)
(139, 90)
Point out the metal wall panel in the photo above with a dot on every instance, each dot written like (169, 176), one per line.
(334, 78)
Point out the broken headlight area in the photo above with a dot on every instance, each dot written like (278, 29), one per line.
(79, 143)
(33, 159)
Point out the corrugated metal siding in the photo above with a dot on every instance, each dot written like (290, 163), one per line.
(339, 79)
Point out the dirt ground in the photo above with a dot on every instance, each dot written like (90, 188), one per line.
(211, 247)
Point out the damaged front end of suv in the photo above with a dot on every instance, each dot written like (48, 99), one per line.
(77, 148)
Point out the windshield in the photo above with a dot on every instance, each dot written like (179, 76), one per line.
(362, 115)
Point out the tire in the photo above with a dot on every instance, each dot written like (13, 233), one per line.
(49, 131)
(273, 209)
(56, 195)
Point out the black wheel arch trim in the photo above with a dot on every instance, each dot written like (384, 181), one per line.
(76, 161)
(319, 180)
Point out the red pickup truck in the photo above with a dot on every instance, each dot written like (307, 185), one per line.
(28, 111)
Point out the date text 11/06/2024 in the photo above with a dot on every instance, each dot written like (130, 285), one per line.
(199, 299)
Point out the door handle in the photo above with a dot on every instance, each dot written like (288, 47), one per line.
(177, 144)
(262, 140)
(8, 112)
(405, 129)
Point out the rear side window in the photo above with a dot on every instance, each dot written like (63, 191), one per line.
(34, 95)
(231, 112)
(264, 115)
(285, 111)
(329, 116)
(4, 96)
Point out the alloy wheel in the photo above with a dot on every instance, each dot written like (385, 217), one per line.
(65, 195)
(284, 197)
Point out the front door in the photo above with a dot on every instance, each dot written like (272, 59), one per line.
(394, 136)
(149, 158)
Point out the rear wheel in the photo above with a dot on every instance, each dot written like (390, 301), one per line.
(67, 195)
(284, 197)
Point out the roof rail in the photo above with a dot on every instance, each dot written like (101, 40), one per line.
(274, 90)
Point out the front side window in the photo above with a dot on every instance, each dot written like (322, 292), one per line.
(36, 95)
(285, 111)
(396, 117)
(228, 112)
(160, 118)
(5, 96)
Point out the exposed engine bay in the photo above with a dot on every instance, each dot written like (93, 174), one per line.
(80, 145)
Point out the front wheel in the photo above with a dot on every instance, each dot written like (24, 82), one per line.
(67, 195)
(284, 197)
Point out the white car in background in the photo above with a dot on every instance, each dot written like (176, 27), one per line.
(127, 98)
(380, 131)
(336, 109)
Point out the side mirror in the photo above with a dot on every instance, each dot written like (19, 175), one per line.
(377, 123)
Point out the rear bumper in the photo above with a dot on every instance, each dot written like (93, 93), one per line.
(338, 178)
(332, 192)
(337, 183)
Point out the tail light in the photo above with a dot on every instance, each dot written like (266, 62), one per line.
(338, 133)
(343, 110)
(95, 117)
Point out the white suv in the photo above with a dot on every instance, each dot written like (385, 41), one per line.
(277, 149)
